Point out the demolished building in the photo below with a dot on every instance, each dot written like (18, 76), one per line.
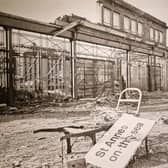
(78, 58)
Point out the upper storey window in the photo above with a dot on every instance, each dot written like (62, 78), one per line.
(133, 27)
(116, 20)
(161, 37)
(140, 29)
(106, 16)
(151, 34)
(156, 36)
(126, 24)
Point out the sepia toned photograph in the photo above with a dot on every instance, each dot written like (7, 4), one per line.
(83, 84)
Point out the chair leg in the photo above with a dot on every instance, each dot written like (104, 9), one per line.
(93, 137)
(146, 146)
(69, 149)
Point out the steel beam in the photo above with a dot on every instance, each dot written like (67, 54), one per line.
(101, 41)
(10, 68)
(87, 31)
(21, 23)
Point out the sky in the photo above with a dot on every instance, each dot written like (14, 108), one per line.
(49, 10)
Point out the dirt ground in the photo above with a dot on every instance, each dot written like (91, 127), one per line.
(20, 147)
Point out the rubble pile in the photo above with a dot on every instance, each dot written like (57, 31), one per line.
(20, 147)
(107, 100)
(102, 114)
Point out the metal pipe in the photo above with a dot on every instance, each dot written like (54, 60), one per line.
(127, 68)
(73, 66)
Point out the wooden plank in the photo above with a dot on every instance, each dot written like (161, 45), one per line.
(84, 132)
(67, 27)
(120, 143)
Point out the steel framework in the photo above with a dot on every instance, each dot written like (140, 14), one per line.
(83, 59)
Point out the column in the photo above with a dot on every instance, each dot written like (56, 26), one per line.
(10, 68)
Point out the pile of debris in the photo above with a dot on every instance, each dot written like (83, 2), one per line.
(110, 100)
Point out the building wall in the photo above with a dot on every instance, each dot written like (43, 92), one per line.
(134, 22)
(141, 27)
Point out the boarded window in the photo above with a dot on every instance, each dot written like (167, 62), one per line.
(126, 24)
(116, 20)
(140, 29)
(151, 34)
(133, 26)
(106, 16)
(160, 37)
(156, 36)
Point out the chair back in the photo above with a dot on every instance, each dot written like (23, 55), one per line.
(131, 97)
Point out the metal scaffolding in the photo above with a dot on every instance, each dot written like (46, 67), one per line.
(35, 64)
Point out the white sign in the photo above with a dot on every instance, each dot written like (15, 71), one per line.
(120, 143)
